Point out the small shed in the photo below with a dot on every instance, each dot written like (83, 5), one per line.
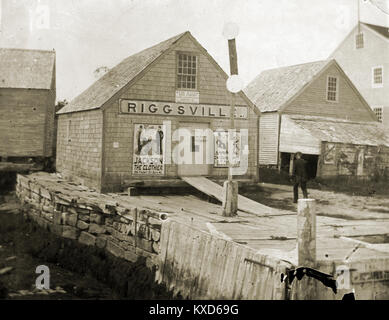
(309, 107)
(342, 147)
(126, 127)
(27, 102)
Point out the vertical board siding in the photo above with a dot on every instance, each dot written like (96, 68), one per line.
(268, 138)
(200, 266)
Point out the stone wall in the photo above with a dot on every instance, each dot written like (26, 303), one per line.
(192, 263)
(106, 221)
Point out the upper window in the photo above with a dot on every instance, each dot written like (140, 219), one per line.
(359, 44)
(377, 77)
(187, 71)
(378, 113)
(332, 88)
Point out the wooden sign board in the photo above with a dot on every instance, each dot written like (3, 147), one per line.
(187, 96)
(179, 109)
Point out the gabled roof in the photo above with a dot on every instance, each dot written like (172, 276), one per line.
(343, 131)
(126, 73)
(384, 31)
(26, 69)
(116, 78)
(273, 88)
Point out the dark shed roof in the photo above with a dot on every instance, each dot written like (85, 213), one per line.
(116, 78)
(26, 69)
(343, 131)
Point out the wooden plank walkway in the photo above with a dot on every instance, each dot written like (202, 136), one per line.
(275, 235)
(254, 227)
(211, 188)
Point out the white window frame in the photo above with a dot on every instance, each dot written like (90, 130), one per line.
(363, 40)
(196, 75)
(382, 112)
(377, 85)
(337, 89)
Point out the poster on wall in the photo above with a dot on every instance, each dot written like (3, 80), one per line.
(223, 144)
(149, 147)
(329, 153)
(347, 160)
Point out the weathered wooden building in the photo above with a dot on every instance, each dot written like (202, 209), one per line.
(124, 127)
(364, 56)
(27, 101)
(314, 108)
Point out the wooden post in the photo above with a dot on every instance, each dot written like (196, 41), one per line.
(306, 232)
(306, 246)
(291, 164)
(230, 198)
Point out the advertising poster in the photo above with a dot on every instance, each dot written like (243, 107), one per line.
(149, 147)
(223, 145)
(329, 153)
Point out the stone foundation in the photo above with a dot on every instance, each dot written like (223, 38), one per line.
(106, 221)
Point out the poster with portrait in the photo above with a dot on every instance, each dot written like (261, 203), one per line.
(149, 148)
(224, 144)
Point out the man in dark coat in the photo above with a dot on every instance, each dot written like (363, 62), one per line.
(300, 177)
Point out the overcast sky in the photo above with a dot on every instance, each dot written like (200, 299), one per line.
(88, 34)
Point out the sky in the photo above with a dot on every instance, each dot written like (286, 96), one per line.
(89, 34)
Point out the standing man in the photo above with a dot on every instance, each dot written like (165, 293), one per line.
(300, 177)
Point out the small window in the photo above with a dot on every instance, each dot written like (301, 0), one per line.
(332, 89)
(377, 77)
(359, 41)
(187, 71)
(378, 113)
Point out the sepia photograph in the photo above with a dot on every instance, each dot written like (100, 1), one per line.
(202, 156)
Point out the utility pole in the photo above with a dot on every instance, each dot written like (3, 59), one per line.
(359, 17)
(230, 187)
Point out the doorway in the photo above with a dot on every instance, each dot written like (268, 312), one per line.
(287, 165)
(196, 152)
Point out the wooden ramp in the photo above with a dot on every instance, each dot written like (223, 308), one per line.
(244, 204)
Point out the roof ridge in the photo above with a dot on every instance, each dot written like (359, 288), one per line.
(119, 76)
(297, 65)
(331, 119)
(30, 50)
(375, 25)
(178, 36)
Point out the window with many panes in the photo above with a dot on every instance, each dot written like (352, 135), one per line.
(332, 89)
(378, 113)
(187, 71)
(377, 76)
(359, 40)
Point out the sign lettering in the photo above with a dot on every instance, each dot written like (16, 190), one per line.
(180, 109)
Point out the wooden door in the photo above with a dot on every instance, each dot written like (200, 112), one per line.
(197, 156)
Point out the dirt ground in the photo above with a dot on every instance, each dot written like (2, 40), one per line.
(329, 203)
